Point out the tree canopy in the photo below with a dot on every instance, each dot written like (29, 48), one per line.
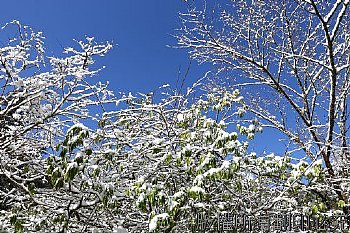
(75, 157)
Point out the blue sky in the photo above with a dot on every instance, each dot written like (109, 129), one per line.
(140, 31)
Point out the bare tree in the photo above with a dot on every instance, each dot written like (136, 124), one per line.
(291, 58)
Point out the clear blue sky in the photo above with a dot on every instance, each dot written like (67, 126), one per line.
(140, 29)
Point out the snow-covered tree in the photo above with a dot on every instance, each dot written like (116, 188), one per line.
(291, 61)
(183, 155)
(153, 162)
(41, 97)
(149, 165)
(173, 157)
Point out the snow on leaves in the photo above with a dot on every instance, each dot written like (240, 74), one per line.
(156, 160)
(41, 98)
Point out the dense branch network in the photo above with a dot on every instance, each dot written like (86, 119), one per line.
(298, 52)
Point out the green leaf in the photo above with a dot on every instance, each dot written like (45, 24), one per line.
(156, 150)
(18, 226)
(31, 189)
(341, 203)
(321, 206)
(314, 209)
(88, 152)
(16, 223)
(59, 183)
(26, 169)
